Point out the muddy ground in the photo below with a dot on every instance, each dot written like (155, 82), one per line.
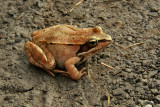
(135, 81)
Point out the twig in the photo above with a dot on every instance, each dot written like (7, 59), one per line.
(134, 45)
(119, 45)
(25, 7)
(106, 92)
(83, 0)
(125, 48)
(109, 1)
(76, 5)
(122, 52)
(107, 66)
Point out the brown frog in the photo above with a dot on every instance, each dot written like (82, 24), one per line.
(58, 48)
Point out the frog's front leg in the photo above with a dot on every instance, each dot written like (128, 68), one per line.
(40, 56)
(72, 71)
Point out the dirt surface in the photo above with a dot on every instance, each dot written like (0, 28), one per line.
(135, 80)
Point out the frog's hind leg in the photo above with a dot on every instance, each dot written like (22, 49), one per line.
(40, 56)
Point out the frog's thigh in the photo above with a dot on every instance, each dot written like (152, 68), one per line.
(72, 70)
(39, 56)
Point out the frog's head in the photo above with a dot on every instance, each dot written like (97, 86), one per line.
(96, 42)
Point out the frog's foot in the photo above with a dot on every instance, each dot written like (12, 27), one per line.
(40, 56)
(50, 73)
(72, 71)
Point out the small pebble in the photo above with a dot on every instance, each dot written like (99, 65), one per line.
(154, 91)
(157, 97)
(128, 69)
(145, 76)
(145, 62)
(10, 12)
(118, 92)
(130, 75)
(146, 103)
(152, 73)
(129, 38)
(158, 82)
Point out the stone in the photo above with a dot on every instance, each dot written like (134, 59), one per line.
(129, 38)
(128, 69)
(145, 62)
(130, 75)
(146, 103)
(152, 73)
(157, 97)
(158, 82)
(154, 91)
(118, 92)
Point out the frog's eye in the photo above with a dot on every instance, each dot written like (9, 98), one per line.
(92, 42)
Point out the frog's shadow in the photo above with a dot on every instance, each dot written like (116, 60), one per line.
(57, 75)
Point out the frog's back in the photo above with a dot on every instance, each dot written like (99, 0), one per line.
(63, 34)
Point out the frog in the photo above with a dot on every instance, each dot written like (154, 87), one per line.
(59, 48)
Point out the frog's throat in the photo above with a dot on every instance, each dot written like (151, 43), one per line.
(90, 51)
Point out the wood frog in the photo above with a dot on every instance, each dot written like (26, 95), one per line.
(59, 48)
